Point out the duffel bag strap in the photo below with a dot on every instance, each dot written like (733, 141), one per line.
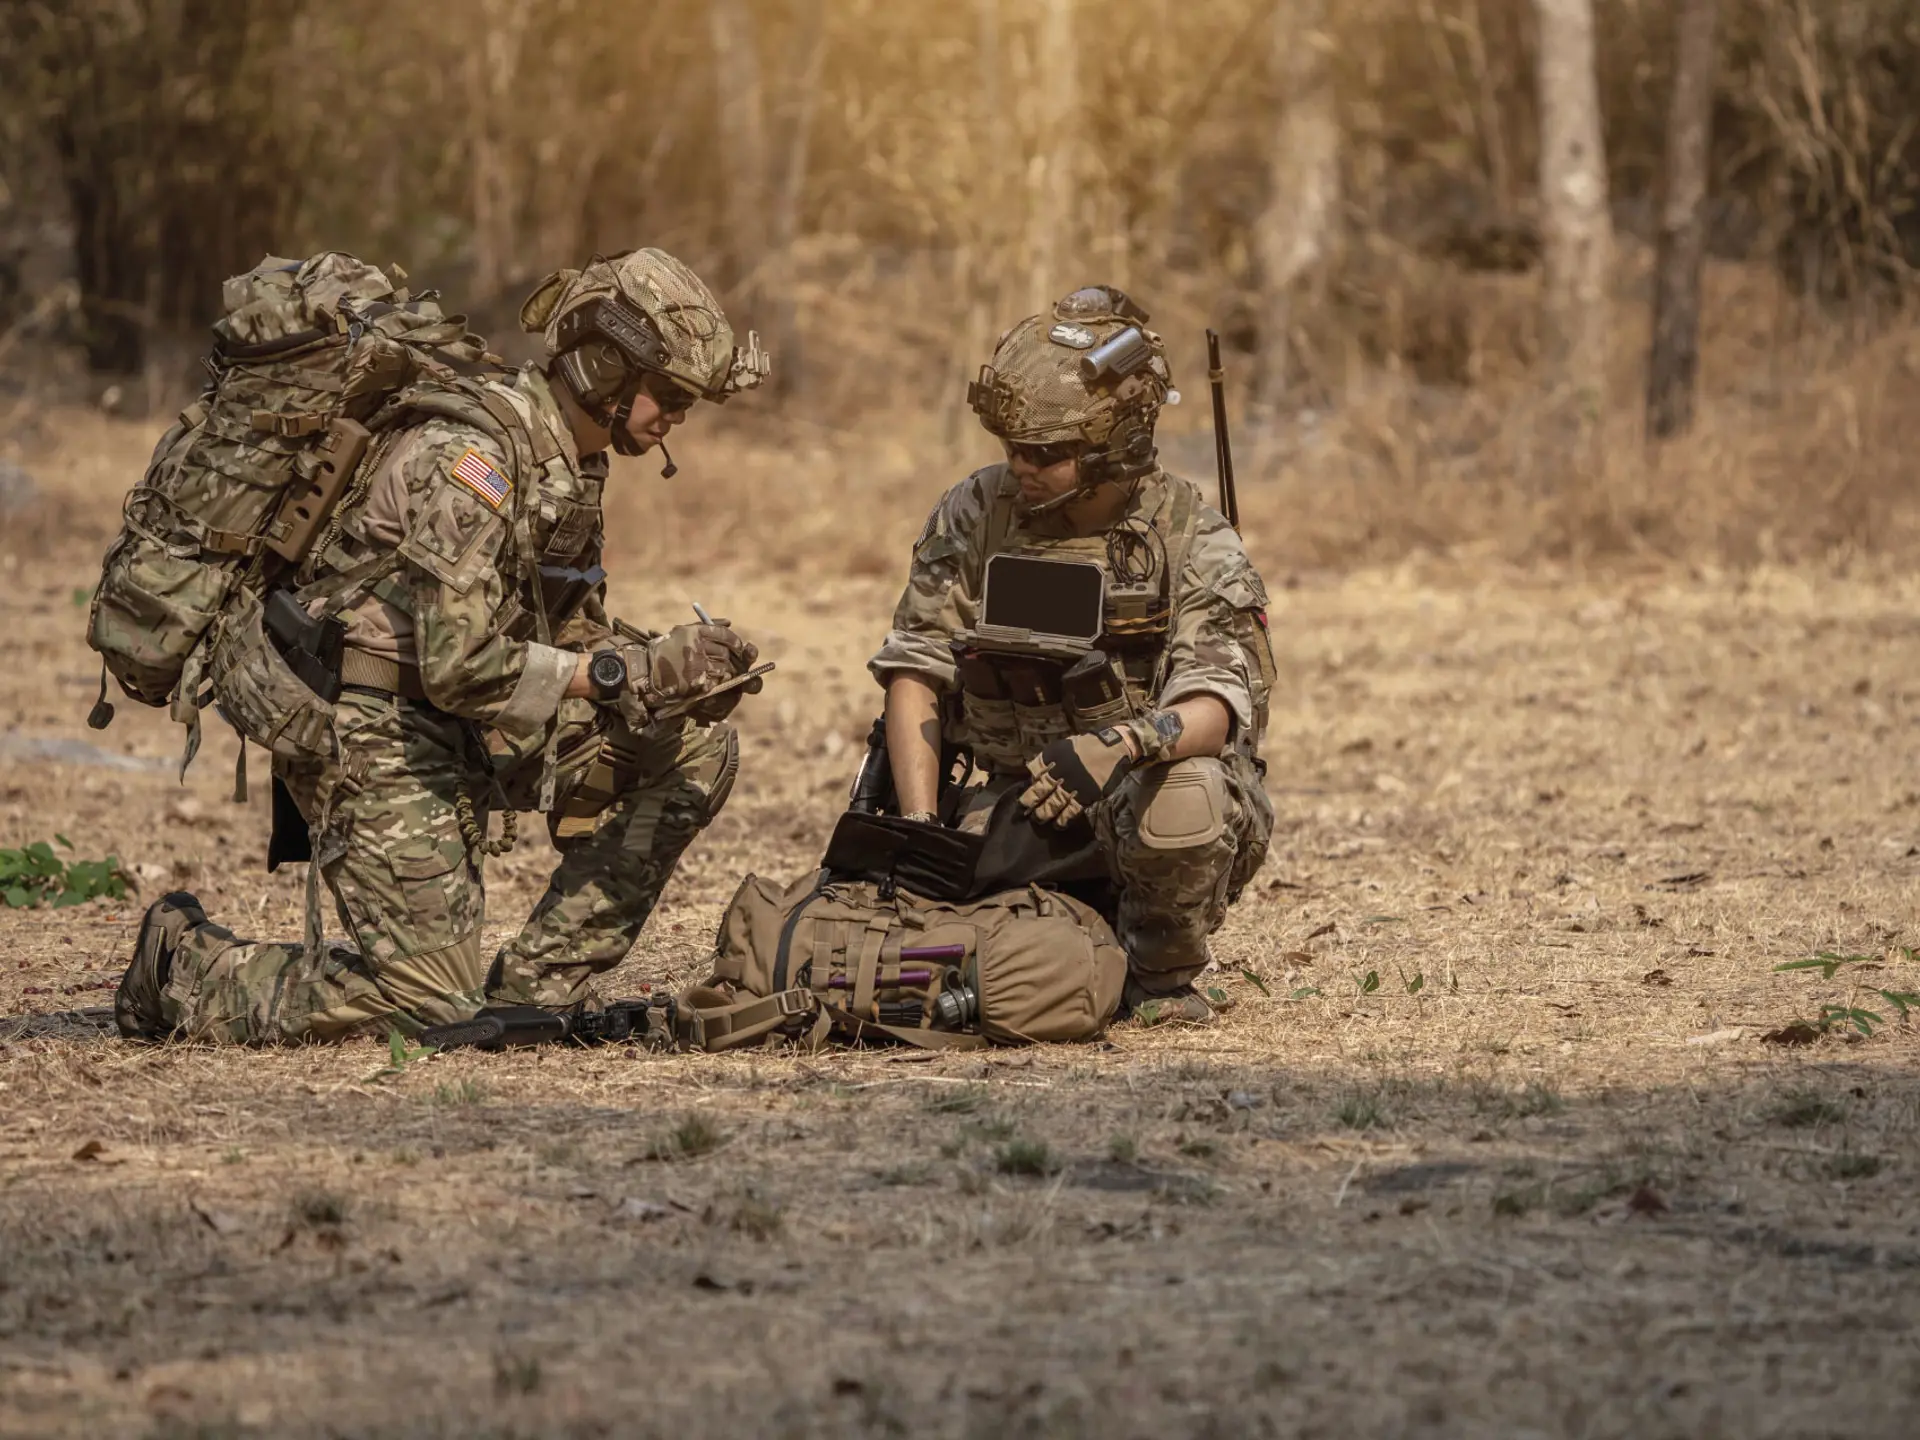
(730, 1026)
(852, 1027)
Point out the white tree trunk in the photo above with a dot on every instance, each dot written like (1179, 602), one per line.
(1297, 230)
(1578, 234)
(1050, 172)
(743, 142)
(492, 66)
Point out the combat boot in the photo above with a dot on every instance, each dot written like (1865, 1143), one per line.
(136, 1005)
(1146, 1009)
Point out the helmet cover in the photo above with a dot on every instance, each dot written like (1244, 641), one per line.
(644, 310)
(1046, 382)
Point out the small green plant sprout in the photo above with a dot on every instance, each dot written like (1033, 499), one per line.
(1304, 992)
(1021, 1156)
(35, 875)
(1851, 1012)
(459, 1092)
(1252, 977)
(400, 1055)
(693, 1137)
(1416, 984)
(1123, 1150)
(1367, 983)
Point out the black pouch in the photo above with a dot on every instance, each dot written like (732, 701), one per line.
(929, 860)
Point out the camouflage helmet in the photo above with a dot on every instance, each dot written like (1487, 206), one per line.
(635, 312)
(1089, 370)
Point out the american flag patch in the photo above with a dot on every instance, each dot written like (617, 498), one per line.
(476, 472)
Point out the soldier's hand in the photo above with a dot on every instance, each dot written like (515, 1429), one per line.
(1071, 776)
(691, 659)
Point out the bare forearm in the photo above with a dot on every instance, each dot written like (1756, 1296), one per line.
(913, 743)
(1205, 724)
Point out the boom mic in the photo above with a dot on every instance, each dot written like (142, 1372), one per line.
(668, 470)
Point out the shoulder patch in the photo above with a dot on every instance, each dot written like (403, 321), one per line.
(479, 474)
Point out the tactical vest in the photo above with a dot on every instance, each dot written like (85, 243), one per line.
(1013, 705)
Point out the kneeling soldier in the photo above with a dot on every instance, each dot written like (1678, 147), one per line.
(484, 674)
(1092, 632)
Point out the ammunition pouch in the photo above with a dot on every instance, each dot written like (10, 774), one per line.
(257, 687)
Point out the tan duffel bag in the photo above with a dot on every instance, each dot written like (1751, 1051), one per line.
(828, 958)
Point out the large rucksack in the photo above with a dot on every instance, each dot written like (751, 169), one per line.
(242, 485)
(851, 959)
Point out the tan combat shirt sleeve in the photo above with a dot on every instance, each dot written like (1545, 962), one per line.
(461, 499)
(940, 599)
(1218, 602)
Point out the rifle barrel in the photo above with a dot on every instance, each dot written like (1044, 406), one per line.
(1222, 446)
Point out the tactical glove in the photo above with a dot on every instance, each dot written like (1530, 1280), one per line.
(668, 671)
(1071, 776)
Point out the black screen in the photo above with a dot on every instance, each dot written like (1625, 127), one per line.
(1048, 597)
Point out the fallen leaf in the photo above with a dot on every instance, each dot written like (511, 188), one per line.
(704, 1281)
(1794, 1032)
(1326, 929)
(1682, 882)
(1299, 957)
(92, 1150)
(634, 1208)
(1656, 977)
(221, 1222)
(1647, 1201)
(1718, 1037)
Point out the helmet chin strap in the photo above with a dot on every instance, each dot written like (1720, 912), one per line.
(625, 444)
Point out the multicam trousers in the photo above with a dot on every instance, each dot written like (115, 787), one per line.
(1180, 842)
(388, 842)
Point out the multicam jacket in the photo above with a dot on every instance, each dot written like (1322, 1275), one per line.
(1214, 641)
(446, 494)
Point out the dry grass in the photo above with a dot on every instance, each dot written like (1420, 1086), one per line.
(1541, 1175)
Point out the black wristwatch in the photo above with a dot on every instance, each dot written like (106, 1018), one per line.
(607, 674)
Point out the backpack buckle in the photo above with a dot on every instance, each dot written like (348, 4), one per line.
(794, 1002)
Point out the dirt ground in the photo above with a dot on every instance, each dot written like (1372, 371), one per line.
(1490, 1143)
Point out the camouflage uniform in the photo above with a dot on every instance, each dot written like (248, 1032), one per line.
(1180, 839)
(454, 705)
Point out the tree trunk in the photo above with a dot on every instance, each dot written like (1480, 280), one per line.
(1573, 200)
(1296, 230)
(803, 102)
(1050, 175)
(1675, 360)
(492, 65)
(743, 145)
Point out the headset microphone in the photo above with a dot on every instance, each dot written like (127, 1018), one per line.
(669, 470)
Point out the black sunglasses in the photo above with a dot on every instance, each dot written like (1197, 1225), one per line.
(669, 396)
(1043, 456)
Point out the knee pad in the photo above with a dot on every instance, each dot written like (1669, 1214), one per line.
(1182, 806)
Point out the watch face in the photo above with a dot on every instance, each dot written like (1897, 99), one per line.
(607, 673)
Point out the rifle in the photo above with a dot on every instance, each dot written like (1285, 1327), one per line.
(646, 1021)
(1222, 447)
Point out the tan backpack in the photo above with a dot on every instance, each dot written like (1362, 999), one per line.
(243, 484)
(850, 959)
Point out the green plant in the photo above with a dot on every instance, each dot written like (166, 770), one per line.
(400, 1055)
(1197, 1148)
(1802, 1109)
(1850, 1012)
(322, 1207)
(694, 1136)
(1849, 1166)
(35, 875)
(1368, 983)
(459, 1092)
(1021, 1156)
(1123, 1150)
(516, 1374)
(1360, 1110)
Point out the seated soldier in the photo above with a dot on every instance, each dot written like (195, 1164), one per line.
(1116, 682)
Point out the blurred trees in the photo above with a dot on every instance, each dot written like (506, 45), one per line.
(1674, 364)
(1334, 184)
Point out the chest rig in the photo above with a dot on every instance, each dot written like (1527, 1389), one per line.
(1019, 692)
